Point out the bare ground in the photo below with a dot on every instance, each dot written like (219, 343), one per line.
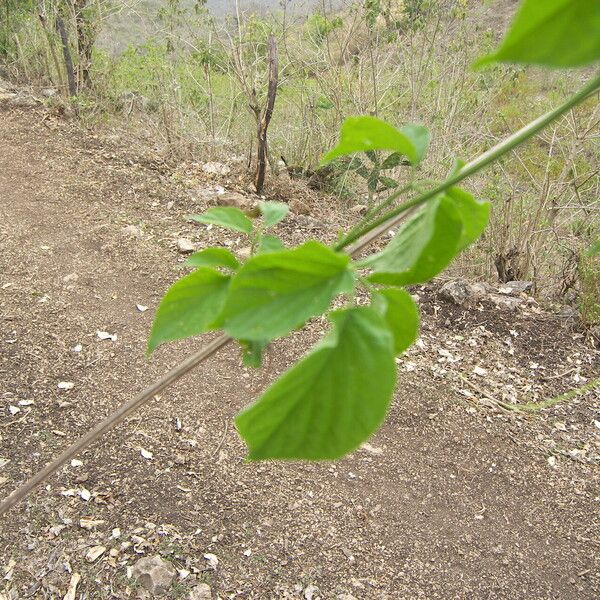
(453, 498)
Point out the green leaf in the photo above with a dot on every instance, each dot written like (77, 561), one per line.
(555, 33)
(252, 353)
(213, 257)
(372, 156)
(355, 163)
(225, 216)
(422, 248)
(332, 400)
(473, 213)
(419, 136)
(189, 307)
(401, 314)
(273, 212)
(362, 134)
(388, 183)
(392, 161)
(269, 243)
(276, 292)
(373, 180)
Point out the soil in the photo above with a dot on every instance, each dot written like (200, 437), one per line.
(455, 496)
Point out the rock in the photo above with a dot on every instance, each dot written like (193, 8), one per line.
(185, 246)
(95, 553)
(461, 291)
(516, 287)
(153, 574)
(133, 231)
(49, 92)
(359, 209)
(298, 207)
(201, 592)
(505, 302)
(234, 199)
(568, 312)
(215, 168)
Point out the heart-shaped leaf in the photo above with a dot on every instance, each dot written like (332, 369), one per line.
(365, 134)
(332, 400)
(189, 307)
(276, 292)
(422, 248)
(273, 212)
(213, 257)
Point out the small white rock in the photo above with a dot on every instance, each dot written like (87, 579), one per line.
(141, 307)
(185, 246)
(77, 348)
(95, 553)
(104, 335)
(212, 559)
(13, 410)
(146, 454)
(85, 494)
(76, 463)
(66, 385)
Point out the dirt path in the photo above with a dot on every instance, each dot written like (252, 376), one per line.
(449, 500)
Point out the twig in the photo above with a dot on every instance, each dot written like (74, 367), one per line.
(498, 403)
(222, 438)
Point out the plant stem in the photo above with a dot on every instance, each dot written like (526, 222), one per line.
(482, 161)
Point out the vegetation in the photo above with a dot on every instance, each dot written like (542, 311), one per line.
(333, 399)
(389, 64)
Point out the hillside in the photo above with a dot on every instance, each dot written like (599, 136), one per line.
(455, 497)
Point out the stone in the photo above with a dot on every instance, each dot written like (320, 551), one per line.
(201, 592)
(49, 92)
(132, 231)
(516, 287)
(153, 574)
(359, 209)
(185, 246)
(234, 199)
(460, 291)
(298, 207)
(505, 302)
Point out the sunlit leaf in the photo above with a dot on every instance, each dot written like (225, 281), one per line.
(276, 292)
(364, 134)
(213, 257)
(401, 314)
(273, 212)
(189, 307)
(332, 400)
(473, 213)
(555, 33)
(421, 248)
(225, 216)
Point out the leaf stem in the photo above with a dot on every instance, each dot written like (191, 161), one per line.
(492, 155)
